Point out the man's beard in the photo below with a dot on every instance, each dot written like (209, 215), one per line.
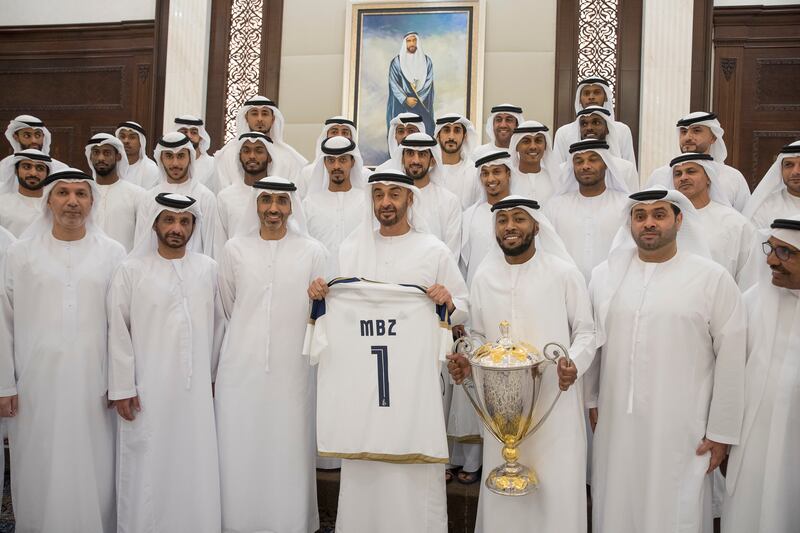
(164, 238)
(447, 148)
(258, 170)
(273, 224)
(33, 144)
(419, 174)
(398, 215)
(103, 172)
(590, 180)
(664, 237)
(182, 175)
(520, 249)
(31, 187)
(337, 178)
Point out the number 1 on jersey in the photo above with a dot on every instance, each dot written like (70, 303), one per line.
(382, 356)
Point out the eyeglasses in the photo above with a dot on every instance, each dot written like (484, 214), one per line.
(781, 252)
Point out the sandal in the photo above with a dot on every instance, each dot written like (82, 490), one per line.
(468, 478)
(450, 474)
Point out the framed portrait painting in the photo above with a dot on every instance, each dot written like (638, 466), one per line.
(423, 57)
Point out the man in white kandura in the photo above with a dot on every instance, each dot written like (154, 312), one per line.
(701, 132)
(142, 170)
(384, 497)
(22, 205)
(534, 164)
(118, 201)
(596, 91)
(334, 202)
(25, 132)
(337, 126)
(731, 238)
(420, 158)
(457, 141)
(204, 169)
(175, 155)
(503, 119)
(669, 395)
(778, 193)
(165, 329)
(401, 127)
(587, 208)
(267, 463)
(256, 161)
(530, 280)
(53, 330)
(258, 114)
(6, 239)
(592, 122)
(477, 236)
(763, 480)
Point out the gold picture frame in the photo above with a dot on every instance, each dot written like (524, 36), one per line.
(451, 35)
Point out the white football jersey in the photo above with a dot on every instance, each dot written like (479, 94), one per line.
(379, 347)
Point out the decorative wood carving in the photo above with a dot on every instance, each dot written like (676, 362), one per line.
(728, 65)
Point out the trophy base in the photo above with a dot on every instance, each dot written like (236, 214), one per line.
(512, 480)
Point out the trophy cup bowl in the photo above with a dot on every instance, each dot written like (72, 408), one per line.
(504, 388)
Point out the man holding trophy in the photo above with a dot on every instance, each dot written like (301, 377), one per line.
(530, 288)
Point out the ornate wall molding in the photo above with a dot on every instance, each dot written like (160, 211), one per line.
(728, 65)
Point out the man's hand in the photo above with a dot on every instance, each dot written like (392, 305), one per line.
(128, 408)
(567, 373)
(718, 453)
(8, 406)
(458, 366)
(318, 289)
(593, 417)
(411, 101)
(441, 296)
(458, 331)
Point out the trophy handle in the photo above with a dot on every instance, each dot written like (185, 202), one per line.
(552, 351)
(468, 345)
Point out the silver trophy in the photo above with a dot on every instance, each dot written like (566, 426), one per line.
(503, 389)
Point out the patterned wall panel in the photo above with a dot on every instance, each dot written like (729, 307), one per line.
(598, 30)
(244, 58)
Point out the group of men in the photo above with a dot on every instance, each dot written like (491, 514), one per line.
(157, 372)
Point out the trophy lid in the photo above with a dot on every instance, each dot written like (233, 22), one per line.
(506, 352)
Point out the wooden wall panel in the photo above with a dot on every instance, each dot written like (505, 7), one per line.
(756, 72)
(80, 79)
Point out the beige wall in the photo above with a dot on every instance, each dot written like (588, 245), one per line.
(519, 62)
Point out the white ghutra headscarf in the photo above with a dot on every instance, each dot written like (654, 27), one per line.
(414, 66)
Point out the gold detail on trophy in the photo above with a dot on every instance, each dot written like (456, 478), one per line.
(504, 389)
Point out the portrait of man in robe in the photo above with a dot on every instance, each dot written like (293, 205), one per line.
(411, 82)
(397, 52)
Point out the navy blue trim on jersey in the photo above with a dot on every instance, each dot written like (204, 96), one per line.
(318, 306)
(317, 309)
(444, 316)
